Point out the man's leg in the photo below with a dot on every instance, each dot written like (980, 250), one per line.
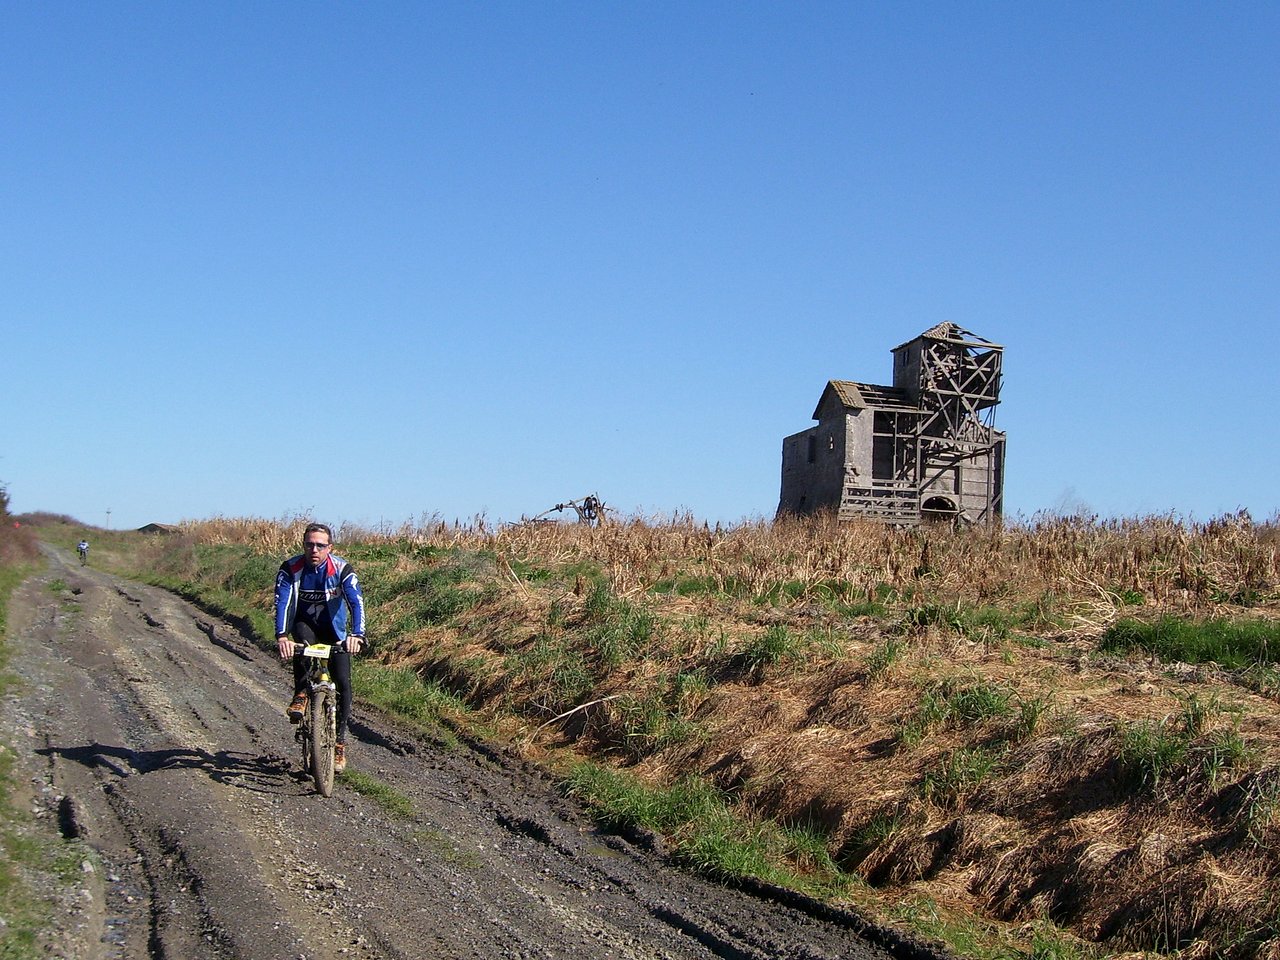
(340, 670)
(303, 634)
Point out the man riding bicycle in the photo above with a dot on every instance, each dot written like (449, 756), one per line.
(318, 600)
(82, 548)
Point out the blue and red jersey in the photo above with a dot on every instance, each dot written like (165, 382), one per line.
(326, 596)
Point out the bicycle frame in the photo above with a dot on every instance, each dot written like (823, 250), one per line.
(318, 732)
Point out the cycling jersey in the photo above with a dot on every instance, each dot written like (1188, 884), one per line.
(327, 597)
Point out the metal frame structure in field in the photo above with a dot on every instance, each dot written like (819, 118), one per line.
(925, 448)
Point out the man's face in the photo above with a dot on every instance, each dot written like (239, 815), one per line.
(315, 547)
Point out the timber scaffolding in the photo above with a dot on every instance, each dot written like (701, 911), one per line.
(925, 448)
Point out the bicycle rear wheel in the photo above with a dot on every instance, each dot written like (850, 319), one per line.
(324, 735)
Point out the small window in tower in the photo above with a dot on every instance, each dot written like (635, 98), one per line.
(831, 442)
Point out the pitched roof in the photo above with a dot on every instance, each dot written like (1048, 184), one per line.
(860, 396)
(950, 331)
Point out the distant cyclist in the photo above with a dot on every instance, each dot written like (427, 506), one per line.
(82, 548)
(318, 600)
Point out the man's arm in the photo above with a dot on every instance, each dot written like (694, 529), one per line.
(284, 603)
(355, 603)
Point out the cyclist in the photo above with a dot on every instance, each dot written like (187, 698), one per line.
(82, 548)
(318, 600)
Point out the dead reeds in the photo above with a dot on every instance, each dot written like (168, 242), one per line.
(938, 703)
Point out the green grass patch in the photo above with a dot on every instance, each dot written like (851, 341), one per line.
(530, 572)
(687, 585)
(880, 660)
(383, 794)
(775, 644)
(705, 834)
(652, 723)
(974, 939)
(1262, 809)
(1152, 752)
(1031, 715)
(613, 630)
(862, 608)
(986, 624)
(1262, 678)
(620, 639)
(957, 703)
(401, 692)
(10, 577)
(447, 584)
(1041, 613)
(252, 573)
(960, 773)
(1127, 597)
(830, 592)
(26, 852)
(1232, 643)
(1221, 752)
(552, 676)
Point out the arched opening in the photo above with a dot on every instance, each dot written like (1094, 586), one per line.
(939, 510)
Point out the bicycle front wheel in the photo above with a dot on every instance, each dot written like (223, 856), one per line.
(304, 738)
(324, 735)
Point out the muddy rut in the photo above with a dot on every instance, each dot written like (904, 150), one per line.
(156, 735)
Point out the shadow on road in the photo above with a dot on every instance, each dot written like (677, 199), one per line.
(237, 769)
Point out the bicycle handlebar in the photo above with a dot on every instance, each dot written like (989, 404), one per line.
(299, 647)
(339, 647)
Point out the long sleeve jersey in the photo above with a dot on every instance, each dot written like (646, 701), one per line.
(327, 595)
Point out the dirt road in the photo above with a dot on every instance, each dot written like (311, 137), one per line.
(156, 734)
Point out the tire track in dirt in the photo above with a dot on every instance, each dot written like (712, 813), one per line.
(163, 731)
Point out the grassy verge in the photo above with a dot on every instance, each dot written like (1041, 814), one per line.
(33, 865)
(959, 671)
(704, 832)
(398, 691)
(971, 938)
(20, 908)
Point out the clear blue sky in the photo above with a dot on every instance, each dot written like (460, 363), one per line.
(378, 261)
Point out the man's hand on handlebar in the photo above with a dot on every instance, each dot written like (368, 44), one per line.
(288, 648)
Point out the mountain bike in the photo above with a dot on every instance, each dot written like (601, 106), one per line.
(318, 731)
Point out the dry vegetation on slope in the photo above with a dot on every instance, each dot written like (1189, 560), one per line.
(1000, 722)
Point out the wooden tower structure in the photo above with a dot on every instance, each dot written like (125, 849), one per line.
(925, 448)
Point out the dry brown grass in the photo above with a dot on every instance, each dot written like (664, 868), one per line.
(17, 544)
(1021, 815)
(1089, 563)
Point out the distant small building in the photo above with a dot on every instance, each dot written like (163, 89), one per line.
(925, 448)
(157, 528)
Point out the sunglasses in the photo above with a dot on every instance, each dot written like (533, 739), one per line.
(316, 546)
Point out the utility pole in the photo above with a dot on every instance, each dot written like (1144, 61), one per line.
(108, 518)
